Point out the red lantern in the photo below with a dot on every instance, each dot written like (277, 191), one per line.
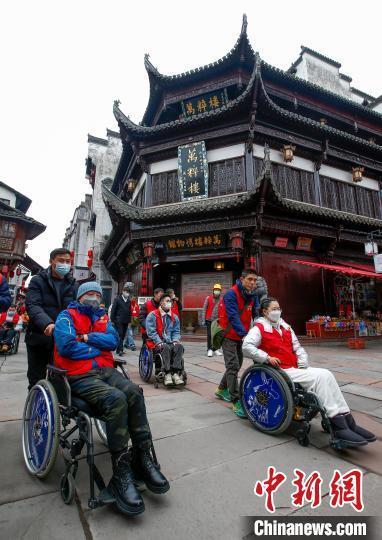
(72, 258)
(90, 258)
(148, 249)
(237, 242)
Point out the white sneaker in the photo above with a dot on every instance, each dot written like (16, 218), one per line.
(168, 379)
(178, 380)
(218, 353)
(210, 352)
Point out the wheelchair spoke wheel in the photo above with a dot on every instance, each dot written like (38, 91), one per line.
(101, 429)
(146, 362)
(67, 488)
(41, 426)
(267, 399)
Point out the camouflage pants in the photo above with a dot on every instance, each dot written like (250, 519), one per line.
(117, 401)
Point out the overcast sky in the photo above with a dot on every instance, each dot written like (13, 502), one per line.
(63, 64)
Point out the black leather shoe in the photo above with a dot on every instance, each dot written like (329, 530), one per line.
(367, 435)
(344, 433)
(145, 469)
(121, 486)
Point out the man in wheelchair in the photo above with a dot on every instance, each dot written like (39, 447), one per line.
(272, 341)
(84, 339)
(8, 321)
(163, 332)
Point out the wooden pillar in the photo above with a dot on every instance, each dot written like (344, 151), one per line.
(249, 172)
(148, 191)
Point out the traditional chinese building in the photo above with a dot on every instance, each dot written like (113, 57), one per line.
(239, 163)
(16, 228)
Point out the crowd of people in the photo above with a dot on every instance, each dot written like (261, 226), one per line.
(69, 326)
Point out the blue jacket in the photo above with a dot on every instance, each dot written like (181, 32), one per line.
(5, 295)
(171, 330)
(65, 335)
(232, 308)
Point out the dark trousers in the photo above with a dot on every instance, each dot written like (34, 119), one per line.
(6, 336)
(233, 359)
(209, 336)
(121, 329)
(38, 358)
(117, 401)
(172, 356)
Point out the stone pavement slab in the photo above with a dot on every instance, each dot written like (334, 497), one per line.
(364, 391)
(40, 518)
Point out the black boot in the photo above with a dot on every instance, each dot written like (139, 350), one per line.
(367, 435)
(343, 433)
(145, 469)
(121, 485)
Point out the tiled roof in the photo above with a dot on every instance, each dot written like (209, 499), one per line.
(33, 227)
(146, 131)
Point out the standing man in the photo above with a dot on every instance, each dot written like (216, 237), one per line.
(121, 315)
(49, 292)
(5, 295)
(148, 307)
(209, 314)
(236, 311)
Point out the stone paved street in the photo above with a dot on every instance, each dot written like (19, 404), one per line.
(212, 458)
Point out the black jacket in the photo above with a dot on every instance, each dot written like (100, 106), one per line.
(43, 304)
(121, 311)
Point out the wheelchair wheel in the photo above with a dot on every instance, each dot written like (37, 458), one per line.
(146, 362)
(41, 427)
(101, 430)
(67, 488)
(267, 399)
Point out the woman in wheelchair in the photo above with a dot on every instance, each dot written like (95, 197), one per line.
(163, 332)
(8, 321)
(272, 341)
(84, 339)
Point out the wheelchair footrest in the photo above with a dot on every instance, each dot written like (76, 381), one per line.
(105, 497)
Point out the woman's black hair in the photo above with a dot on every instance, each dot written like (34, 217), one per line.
(266, 302)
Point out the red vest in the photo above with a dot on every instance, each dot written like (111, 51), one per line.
(210, 307)
(3, 318)
(135, 309)
(175, 308)
(82, 325)
(150, 344)
(279, 346)
(245, 317)
(149, 308)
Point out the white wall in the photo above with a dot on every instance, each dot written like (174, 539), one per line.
(8, 194)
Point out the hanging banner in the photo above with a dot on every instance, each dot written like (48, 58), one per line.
(193, 171)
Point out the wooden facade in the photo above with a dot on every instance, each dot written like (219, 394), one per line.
(253, 194)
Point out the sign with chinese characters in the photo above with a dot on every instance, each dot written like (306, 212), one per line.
(205, 102)
(281, 242)
(193, 171)
(303, 243)
(196, 242)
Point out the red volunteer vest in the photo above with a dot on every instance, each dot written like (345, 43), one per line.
(279, 346)
(135, 310)
(245, 317)
(3, 318)
(175, 308)
(82, 325)
(149, 308)
(210, 307)
(159, 325)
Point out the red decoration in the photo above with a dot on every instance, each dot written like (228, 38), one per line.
(281, 242)
(72, 257)
(148, 249)
(90, 258)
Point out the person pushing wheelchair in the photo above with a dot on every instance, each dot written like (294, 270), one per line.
(84, 338)
(272, 341)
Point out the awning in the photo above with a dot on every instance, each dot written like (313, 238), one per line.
(347, 270)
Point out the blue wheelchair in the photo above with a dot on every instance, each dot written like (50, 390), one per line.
(150, 361)
(14, 346)
(272, 401)
(51, 417)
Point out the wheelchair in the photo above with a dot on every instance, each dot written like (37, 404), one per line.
(272, 401)
(14, 346)
(51, 416)
(150, 361)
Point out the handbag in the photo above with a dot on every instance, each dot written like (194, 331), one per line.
(218, 333)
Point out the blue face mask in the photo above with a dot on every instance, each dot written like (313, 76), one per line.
(62, 269)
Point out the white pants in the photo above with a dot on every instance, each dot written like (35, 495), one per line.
(323, 383)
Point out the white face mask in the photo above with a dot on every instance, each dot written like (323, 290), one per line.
(167, 306)
(274, 315)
